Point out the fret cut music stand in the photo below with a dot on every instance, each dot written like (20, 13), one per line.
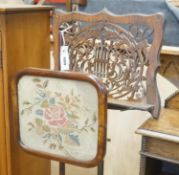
(61, 116)
(122, 50)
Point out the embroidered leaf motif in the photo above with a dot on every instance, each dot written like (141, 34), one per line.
(39, 85)
(86, 122)
(22, 112)
(41, 93)
(26, 103)
(74, 138)
(52, 146)
(94, 118)
(60, 137)
(52, 101)
(36, 80)
(85, 129)
(70, 127)
(45, 83)
(46, 128)
(92, 129)
(31, 126)
(74, 116)
(38, 122)
(45, 104)
(67, 99)
(75, 105)
(46, 136)
(39, 112)
(30, 129)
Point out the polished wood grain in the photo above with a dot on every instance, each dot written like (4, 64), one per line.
(24, 44)
(11, 8)
(3, 148)
(172, 102)
(160, 140)
(161, 149)
(168, 123)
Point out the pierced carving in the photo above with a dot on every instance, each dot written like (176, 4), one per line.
(122, 50)
(115, 54)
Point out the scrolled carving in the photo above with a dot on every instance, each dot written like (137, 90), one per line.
(115, 54)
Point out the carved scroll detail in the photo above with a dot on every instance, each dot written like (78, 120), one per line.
(116, 54)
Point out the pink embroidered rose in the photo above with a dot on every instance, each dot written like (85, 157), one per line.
(56, 115)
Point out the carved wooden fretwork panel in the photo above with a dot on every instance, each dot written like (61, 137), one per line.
(123, 50)
(115, 54)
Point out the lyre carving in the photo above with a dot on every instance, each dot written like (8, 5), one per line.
(123, 50)
(113, 53)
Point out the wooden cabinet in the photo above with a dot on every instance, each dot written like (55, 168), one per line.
(170, 64)
(159, 152)
(24, 42)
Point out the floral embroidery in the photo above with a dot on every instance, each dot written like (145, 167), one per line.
(56, 115)
(60, 119)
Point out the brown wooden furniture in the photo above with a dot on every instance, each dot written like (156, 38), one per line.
(24, 34)
(57, 120)
(161, 139)
(169, 68)
(122, 50)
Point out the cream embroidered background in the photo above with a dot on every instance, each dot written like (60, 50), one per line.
(58, 116)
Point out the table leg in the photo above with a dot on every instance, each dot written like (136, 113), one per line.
(61, 168)
(101, 168)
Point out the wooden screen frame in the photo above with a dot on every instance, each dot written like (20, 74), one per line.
(155, 21)
(102, 113)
